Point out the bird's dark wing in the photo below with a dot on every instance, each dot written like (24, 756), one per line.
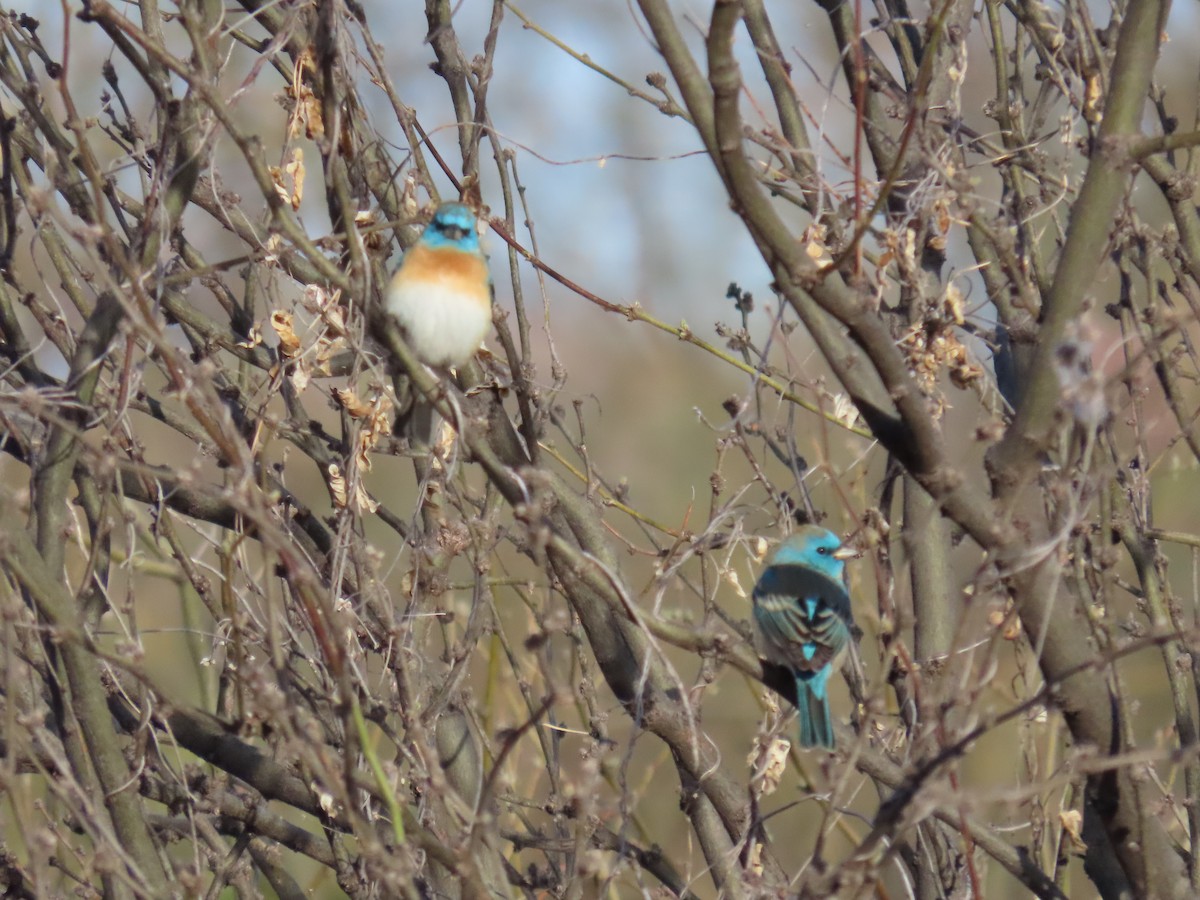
(804, 617)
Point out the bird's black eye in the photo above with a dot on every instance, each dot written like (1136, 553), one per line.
(451, 230)
(824, 551)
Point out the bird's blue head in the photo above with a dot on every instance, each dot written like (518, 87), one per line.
(814, 548)
(453, 225)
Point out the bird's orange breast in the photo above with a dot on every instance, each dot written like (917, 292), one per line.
(450, 268)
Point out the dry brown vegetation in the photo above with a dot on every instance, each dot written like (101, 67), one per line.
(251, 643)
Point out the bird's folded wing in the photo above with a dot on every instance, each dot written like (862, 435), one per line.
(804, 616)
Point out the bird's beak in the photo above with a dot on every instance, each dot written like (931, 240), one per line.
(845, 553)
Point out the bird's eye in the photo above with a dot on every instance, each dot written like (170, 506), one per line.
(824, 551)
(451, 230)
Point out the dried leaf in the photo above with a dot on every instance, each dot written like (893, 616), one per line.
(1071, 821)
(277, 179)
(324, 798)
(327, 307)
(255, 337)
(408, 197)
(289, 181)
(374, 238)
(731, 578)
(909, 247)
(362, 501)
(312, 115)
(289, 343)
(759, 549)
(941, 209)
(349, 401)
(844, 410)
(754, 863)
(952, 302)
(295, 171)
(1093, 99)
(327, 349)
(362, 450)
(768, 763)
(337, 485)
(814, 243)
(307, 109)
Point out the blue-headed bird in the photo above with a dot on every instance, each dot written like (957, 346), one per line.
(442, 293)
(802, 612)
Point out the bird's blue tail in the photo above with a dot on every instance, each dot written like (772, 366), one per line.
(812, 704)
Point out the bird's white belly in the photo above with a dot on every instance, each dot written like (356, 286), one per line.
(443, 325)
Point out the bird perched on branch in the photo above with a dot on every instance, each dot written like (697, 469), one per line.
(442, 293)
(803, 615)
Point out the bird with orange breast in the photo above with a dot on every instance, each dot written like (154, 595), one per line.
(442, 292)
(441, 295)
